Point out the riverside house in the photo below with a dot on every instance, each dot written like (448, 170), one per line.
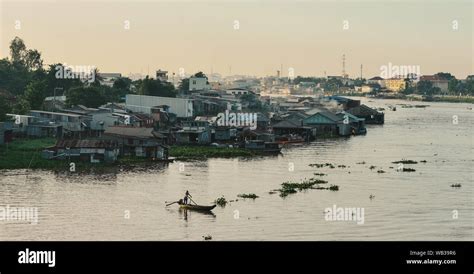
(194, 132)
(138, 142)
(93, 151)
(324, 123)
(74, 124)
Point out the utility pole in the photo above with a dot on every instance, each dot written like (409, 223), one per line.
(343, 66)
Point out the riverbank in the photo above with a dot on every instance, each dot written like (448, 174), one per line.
(445, 99)
(26, 154)
(199, 152)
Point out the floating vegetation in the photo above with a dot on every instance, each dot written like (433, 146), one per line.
(248, 196)
(334, 188)
(403, 161)
(221, 201)
(341, 166)
(372, 167)
(272, 192)
(361, 163)
(207, 237)
(456, 185)
(291, 188)
(380, 171)
(319, 174)
(322, 165)
(371, 196)
(423, 161)
(407, 169)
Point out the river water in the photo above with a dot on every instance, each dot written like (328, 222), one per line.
(130, 205)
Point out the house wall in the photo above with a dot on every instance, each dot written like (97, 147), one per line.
(183, 108)
(196, 83)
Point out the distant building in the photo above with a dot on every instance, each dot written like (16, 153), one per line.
(162, 75)
(437, 82)
(377, 80)
(198, 83)
(395, 84)
(237, 91)
(182, 108)
(108, 79)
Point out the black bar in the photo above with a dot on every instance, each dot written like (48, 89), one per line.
(151, 257)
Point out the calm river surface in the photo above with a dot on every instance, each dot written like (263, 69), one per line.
(419, 205)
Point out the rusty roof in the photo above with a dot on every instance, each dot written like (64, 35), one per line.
(75, 143)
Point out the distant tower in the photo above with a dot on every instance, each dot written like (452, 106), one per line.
(361, 67)
(344, 66)
(278, 73)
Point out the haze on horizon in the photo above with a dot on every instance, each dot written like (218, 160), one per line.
(308, 36)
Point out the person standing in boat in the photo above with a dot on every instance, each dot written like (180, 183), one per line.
(186, 197)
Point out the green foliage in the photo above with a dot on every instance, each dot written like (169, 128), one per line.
(4, 108)
(34, 94)
(248, 196)
(208, 152)
(221, 201)
(154, 87)
(88, 96)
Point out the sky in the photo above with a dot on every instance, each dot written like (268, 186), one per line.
(246, 37)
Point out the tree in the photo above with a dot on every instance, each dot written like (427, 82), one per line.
(35, 94)
(33, 60)
(92, 97)
(445, 76)
(184, 86)
(17, 50)
(155, 87)
(200, 75)
(424, 87)
(4, 108)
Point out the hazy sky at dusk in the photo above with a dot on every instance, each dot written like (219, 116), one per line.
(197, 35)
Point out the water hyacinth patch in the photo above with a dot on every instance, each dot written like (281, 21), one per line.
(248, 196)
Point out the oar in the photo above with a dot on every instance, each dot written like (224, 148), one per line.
(192, 200)
(172, 203)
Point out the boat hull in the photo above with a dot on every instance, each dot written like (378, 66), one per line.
(197, 207)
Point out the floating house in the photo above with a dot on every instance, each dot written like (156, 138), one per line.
(324, 123)
(139, 142)
(370, 115)
(93, 151)
(351, 125)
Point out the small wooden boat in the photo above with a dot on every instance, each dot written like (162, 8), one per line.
(197, 207)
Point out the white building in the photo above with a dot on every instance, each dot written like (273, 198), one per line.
(237, 91)
(198, 83)
(143, 104)
(108, 79)
(162, 75)
(377, 80)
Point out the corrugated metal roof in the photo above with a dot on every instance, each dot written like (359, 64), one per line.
(139, 132)
(75, 143)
